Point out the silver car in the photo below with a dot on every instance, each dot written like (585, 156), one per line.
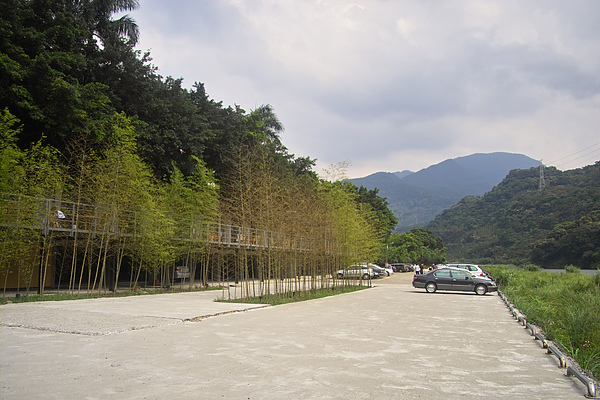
(469, 267)
(182, 272)
(356, 271)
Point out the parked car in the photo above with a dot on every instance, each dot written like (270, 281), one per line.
(388, 269)
(403, 267)
(356, 271)
(453, 279)
(182, 272)
(474, 273)
(469, 267)
(378, 271)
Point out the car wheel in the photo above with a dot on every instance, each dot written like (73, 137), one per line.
(480, 290)
(431, 287)
(365, 276)
(340, 276)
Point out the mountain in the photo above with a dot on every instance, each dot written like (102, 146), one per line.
(416, 198)
(518, 223)
(470, 175)
(403, 173)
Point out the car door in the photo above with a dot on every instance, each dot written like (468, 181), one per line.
(443, 279)
(462, 281)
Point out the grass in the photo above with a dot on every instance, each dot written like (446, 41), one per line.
(272, 299)
(29, 298)
(292, 297)
(566, 306)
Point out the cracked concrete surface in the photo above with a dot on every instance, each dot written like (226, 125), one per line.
(388, 342)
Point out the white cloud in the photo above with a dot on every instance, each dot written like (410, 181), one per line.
(393, 85)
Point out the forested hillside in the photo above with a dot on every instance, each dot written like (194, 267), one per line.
(519, 222)
(416, 198)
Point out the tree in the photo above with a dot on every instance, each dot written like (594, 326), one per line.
(25, 175)
(571, 243)
(418, 246)
(385, 217)
(47, 83)
(98, 14)
(10, 155)
(192, 203)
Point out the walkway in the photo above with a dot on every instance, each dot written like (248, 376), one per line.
(388, 342)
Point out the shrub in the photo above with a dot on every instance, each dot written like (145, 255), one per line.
(531, 267)
(571, 269)
(502, 277)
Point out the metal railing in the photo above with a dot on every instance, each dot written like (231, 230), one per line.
(591, 387)
(562, 361)
(51, 215)
(551, 348)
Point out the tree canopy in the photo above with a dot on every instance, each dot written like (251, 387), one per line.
(419, 246)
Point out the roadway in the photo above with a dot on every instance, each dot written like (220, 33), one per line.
(387, 342)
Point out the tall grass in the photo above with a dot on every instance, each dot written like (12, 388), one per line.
(566, 306)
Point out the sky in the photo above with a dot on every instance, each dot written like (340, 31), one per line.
(399, 84)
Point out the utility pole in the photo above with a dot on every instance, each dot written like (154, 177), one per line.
(542, 181)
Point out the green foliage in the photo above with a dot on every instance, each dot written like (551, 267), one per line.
(572, 242)
(10, 155)
(355, 224)
(571, 269)
(370, 200)
(36, 171)
(516, 223)
(565, 306)
(531, 267)
(67, 67)
(418, 246)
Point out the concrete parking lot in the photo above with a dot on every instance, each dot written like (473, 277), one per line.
(388, 342)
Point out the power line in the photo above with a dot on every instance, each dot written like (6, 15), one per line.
(574, 154)
(586, 159)
(570, 161)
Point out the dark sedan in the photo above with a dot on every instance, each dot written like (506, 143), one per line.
(453, 279)
(403, 267)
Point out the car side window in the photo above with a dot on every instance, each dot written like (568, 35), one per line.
(444, 273)
(459, 274)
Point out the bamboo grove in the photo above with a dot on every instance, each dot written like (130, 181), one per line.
(112, 175)
(143, 228)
